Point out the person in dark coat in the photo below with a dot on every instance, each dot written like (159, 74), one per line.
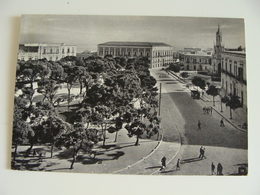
(203, 153)
(212, 169)
(199, 124)
(201, 149)
(163, 160)
(219, 169)
(178, 165)
(222, 123)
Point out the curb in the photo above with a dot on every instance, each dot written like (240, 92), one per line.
(142, 159)
(175, 153)
(230, 122)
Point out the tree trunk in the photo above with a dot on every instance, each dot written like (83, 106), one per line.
(74, 158)
(15, 150)
(116, 136)
(104, 135)
(213, 100)
(137, 140)
(230, 113)
(68, 98)
(80, 89)
(52, 149)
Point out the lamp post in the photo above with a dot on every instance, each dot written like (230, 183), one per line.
(160, 96)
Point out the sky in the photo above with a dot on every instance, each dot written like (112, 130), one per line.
(87, 31)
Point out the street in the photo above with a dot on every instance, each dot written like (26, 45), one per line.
(226, 144)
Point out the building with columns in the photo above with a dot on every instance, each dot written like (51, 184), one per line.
(159, 54)
(50, 51)
(233, 74)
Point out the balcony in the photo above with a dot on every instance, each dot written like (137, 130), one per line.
(238, 78)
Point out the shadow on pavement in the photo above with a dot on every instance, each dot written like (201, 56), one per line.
(155, 167)
(190, 160)
(170, 171)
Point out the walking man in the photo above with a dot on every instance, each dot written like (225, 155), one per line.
(219, 169)
(178, 165)
(222, 123)
(203, 153)
(163, 160)
(199, 124)
(212, 169)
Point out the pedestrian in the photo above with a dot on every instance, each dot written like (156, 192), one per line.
(201, 149)
(203, 153)
(199, 124)
(178, 165)
(219, 169)
(204, 110)
(202, 93)
(212, 168)
(222, 123)
(210, 109)
(163, 160)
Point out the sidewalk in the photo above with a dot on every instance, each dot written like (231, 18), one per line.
(239, 115)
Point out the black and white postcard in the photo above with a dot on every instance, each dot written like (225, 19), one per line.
(132, 95)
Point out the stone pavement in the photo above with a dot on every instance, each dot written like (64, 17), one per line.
(239, 115)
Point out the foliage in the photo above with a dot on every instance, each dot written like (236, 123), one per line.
(175, 67)
(199, 82)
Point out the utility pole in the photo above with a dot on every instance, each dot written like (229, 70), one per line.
(160, 96)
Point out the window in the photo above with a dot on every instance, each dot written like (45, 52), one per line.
(50, 58)
(188, 67)
(57, 51)
(57, 58)
(194, 67)
(147, 54)
(68, 51)
(62, 50)
(44, 51)
(134, 53)
(100, 53)
(129, 53)
(51, 51)
(141, 54)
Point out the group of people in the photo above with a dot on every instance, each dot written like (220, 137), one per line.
(207, 110)
(221, 123)
(219, 169)
(163, 161)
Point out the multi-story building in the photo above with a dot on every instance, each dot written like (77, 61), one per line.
(195, 60)
(159, 54)
(216, 57)
(50, 51)
(233, 74)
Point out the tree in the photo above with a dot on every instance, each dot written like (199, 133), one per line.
(184, 75)
(53, 129)
(175, 67)
(137, 128)
(22, 131)
(79, 139)
(213, 91)
(199, 82)
(49, 89)
(233, 103)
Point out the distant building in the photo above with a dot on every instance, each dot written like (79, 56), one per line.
(216, 57)
(233, 74)
(195, 59)
(50, 51)
(159, 54)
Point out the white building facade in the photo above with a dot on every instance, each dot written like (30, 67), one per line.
(159, 54)
(233, 74)
(50, 51)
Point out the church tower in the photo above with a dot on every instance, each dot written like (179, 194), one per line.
(218, 48)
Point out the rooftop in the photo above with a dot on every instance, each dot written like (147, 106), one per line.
(143, 44)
